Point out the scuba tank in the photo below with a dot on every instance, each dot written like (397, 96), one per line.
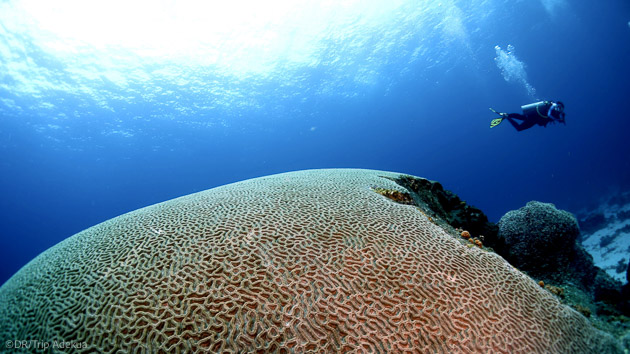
(536, 109)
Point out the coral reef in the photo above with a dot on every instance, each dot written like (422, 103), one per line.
(542, 241)
(556, 290)
(583, 310)
(448, 209)
(307, 261)
(397, 196)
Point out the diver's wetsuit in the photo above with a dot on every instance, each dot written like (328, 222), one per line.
(534, 114)
(527, 121)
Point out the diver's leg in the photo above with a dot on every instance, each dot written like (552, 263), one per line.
(515, 116)
(519, 126)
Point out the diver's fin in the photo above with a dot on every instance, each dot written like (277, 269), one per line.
(499, 113)
(496, 122)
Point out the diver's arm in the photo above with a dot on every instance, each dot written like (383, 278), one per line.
(550, 110)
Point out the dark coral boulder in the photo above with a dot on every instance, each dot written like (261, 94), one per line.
(540, 238)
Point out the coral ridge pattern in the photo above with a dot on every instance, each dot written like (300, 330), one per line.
(303, 261)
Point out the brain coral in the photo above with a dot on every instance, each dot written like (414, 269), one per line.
(295, 262)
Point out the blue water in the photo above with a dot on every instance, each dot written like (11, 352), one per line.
(101, 115)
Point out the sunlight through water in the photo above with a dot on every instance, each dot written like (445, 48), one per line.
(244, 36)
(210, 61)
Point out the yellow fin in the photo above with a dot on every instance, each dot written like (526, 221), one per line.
(496, 122)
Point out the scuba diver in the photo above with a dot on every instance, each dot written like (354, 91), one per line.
(539, 113)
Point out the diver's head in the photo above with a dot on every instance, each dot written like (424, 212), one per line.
(558, 112)
(559, 106)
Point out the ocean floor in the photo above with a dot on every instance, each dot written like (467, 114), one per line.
(605, 234)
